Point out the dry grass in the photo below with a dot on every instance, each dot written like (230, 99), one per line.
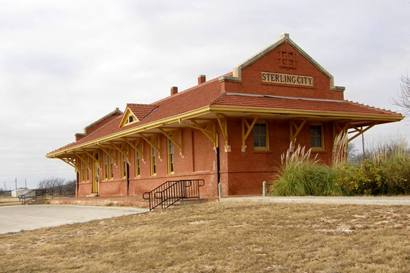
(5, 201)
(215, 237)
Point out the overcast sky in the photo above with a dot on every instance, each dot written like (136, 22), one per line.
(64, 64)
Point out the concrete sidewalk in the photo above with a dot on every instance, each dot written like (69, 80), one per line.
(328, 200)
(18, 218)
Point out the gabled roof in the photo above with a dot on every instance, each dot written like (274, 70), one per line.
(285, 38)
(93, 126)
(303, 106)
(141, 110)
(210, 97)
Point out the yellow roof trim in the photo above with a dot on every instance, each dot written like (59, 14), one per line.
(138, 129)
(124, 121)
(310, 113)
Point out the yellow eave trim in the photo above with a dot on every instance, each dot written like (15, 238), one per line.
(230, 109)
(138, 129)
(307, 113)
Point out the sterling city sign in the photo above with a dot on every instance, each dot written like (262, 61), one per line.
(288, 79)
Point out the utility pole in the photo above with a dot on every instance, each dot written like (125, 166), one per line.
(363, 148)
(15, 183)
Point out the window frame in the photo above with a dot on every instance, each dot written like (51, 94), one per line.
(153, 162)
(137, 163)
(170, 157)
(265, 148)
(320, 148)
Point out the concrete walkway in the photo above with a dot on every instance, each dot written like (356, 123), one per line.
(18, 218)
(329, 200)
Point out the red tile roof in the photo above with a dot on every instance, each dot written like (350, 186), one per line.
(209, 94)
(304, 104)
(141, 110)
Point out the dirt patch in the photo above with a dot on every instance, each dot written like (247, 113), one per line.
(222, 237)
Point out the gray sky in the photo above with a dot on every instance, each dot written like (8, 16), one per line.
(64, 64)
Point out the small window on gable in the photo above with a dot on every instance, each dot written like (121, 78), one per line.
(128, 118)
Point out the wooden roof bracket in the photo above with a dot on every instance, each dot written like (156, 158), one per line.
(295, 129)
(223, 127)
(357, 131)
(68, 161)
(93, 158)
(106, 152)
(122, 152)
(156, 146)
(174, 141)
(246, 131)
(208, 130)
(137, 146)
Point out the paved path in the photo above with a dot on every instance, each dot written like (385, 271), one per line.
(17, 218)
(336, 200)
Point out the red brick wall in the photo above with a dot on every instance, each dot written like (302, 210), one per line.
(248, 169)
(251, 78)
(198, 161)
(242, 173)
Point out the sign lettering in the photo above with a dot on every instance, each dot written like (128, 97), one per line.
(288, 79)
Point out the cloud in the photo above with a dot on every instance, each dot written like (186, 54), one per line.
(65, 64)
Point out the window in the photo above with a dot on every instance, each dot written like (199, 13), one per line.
(137, 163)
(153, 161)
(106, 167)
(83, 170)
(111, 168)
(170, 149)
(130, 119)
(260, 137)
(88, 171)
(316, 136)
(123, 165)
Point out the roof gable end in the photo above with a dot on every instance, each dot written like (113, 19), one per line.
(128, 117)
(237, 72)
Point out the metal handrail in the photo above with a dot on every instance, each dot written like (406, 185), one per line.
(170, 192)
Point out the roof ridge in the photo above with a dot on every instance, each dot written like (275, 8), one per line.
(115, 111)
(140, 104)
(99, 128)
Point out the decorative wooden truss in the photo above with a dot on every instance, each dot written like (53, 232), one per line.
(357, 131)
(176, 138)
(208, 129)
(295, 129)
(247, 128)
(223, 127)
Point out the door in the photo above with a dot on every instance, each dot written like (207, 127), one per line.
(77, 184)
(128, 178)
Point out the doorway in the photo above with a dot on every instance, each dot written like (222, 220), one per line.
(128, 178)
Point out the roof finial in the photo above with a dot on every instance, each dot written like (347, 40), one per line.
(285, 35)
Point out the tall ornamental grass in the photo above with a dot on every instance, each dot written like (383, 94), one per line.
(384, 171)
(301, 174)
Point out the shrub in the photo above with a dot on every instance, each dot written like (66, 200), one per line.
(384, 171)
(302, 175)
(308, 178)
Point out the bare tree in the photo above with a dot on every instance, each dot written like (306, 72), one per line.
(404, 98)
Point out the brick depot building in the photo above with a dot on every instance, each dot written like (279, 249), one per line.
(230, 130)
